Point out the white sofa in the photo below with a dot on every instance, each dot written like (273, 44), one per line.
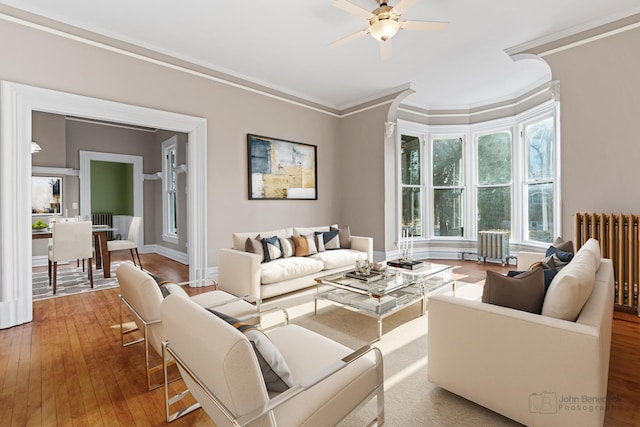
(242, 273)
(532, 368)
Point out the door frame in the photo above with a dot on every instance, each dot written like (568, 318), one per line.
(86, 157)
(18, 101)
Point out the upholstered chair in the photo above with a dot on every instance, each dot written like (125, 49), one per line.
(70, 241)
(132, 240)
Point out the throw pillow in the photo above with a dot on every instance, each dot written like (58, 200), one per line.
(275, 371)
(562, 255)
(328, 240)
(271, 247)
(344, 235)
(311, 241)
(564, 246)
(302, 245)
(549, 274)
(255, 246)
(286, 245)
(524, 292)
(170, 288)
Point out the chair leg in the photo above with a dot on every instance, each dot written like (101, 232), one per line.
(133, 257)
(139, 262)
(55, 276)
(49, 272)
(90, 271)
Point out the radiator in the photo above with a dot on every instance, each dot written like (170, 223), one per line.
(619, 241)
(494, 245)
(103, 219)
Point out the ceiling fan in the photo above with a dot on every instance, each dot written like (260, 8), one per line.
(384, 23)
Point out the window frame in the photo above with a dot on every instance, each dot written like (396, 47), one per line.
(169, 194)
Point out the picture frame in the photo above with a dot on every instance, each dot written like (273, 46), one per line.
(281, 170)
(46, 195)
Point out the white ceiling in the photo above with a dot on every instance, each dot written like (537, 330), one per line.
(284, 44)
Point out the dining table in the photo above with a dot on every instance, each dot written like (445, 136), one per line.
(103, 258)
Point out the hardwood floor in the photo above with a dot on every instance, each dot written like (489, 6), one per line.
(67, 367)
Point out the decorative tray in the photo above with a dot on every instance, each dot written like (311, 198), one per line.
(371, 277)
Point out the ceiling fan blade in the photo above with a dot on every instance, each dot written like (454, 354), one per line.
(349, 38)
(403, 5)
(385, 50)
(424, 25)
(353, 9)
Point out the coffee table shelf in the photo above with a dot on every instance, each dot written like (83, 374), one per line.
(395, 291)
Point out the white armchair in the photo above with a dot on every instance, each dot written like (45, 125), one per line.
(140, 293)
(132, 240)
(221, 369)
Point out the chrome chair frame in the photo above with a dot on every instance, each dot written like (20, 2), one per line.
(150, 370)
(278, 400)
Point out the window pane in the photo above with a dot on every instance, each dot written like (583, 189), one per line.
(540, 198)
(494, 208)
(410, 157)
(447, 162)
(448, 212)
(494, 159)
(412, 210)
(539, 140)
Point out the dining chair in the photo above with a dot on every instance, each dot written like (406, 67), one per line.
(132, 241)
(70, 241)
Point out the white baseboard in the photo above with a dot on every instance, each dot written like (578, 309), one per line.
(181, 257)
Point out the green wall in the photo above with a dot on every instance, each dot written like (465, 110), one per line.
(112, 187)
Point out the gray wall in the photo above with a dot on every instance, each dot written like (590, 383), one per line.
(599, 112)
(50, 61)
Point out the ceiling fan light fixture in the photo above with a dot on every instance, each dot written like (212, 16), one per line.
(384, 29)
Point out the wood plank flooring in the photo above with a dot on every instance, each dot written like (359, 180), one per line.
(66, 368)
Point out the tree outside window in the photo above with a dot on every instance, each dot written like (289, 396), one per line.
(411, 175)
(494, 181)
(447, 178)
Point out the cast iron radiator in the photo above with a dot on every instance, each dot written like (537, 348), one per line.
(104, 218)
(619, 241)
(493, 244)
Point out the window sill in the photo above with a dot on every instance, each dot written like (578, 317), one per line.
(170, 238)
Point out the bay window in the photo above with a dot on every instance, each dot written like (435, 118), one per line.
(499, 175)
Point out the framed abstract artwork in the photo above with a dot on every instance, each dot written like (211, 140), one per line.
(281, 170)
(46, 195)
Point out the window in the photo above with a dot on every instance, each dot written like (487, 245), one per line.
(170, 191)
(494, 181)
(448, 186)
(509, 165)
(539, 150)
(412, 188)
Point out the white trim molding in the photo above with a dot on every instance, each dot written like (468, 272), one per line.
(18, 102)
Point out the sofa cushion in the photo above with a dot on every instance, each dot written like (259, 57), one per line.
(345, 236)
(305, 245)
(239, 239)
(275, 372)
(271, 246)
(288, 268)
(523, 292)
(572, 286)
(339, 258)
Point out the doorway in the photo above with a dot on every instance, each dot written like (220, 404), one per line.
(18, 103)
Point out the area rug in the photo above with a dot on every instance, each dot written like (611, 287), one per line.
(71, 280)
(410, 400)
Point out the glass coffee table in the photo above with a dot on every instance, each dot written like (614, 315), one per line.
(379, 297)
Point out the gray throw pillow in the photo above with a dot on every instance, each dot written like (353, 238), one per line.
(524, 292)
(275, 371)
(255, 246)
(344, 236)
